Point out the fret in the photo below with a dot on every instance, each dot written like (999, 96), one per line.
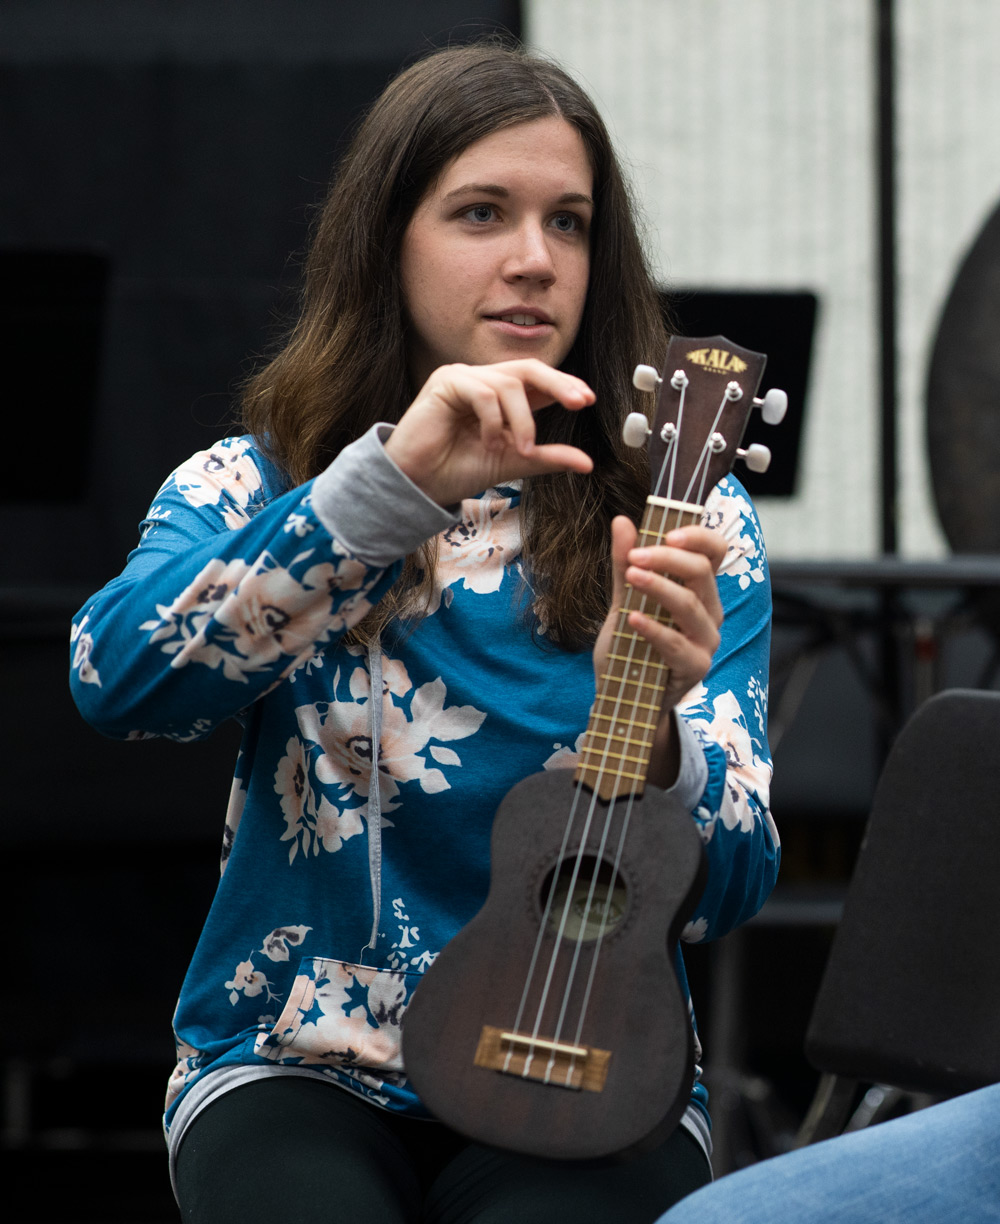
(644, 663)
(594, 749)
(635, 680)
(629, 722)
(610, 736)
(688, 514)
(640, 657)
(621, 730)
(620, 701)
(632, 699)
(640, 653)
(617, 756)
(655, 685)
(607, 778)
(654, 612)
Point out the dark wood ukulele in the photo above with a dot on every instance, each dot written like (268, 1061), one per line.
(554, 1023)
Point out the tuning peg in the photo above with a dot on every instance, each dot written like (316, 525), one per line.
(646, 378)
(773, 406)
(756, 457)
(636, 429)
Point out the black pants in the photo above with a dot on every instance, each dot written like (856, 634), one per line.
(300, 1151)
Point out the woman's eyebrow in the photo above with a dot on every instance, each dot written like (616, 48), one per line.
(494, 189)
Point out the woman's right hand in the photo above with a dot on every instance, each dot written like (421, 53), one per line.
(472, 427)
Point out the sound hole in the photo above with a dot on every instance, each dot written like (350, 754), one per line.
(589, 911)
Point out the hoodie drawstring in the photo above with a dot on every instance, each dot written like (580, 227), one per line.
(374, 795)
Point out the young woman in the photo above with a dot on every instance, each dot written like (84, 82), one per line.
(432, 505)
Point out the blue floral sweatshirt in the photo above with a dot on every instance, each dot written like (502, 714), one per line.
(340, 883)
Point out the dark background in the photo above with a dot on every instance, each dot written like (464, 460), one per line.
(159, 162)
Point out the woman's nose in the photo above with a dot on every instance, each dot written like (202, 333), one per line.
(529, 254)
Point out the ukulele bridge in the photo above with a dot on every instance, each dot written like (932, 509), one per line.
(549, 1062)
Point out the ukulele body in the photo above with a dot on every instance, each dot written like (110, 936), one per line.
(633, 1080)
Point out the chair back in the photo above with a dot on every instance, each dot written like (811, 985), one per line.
(911, 992)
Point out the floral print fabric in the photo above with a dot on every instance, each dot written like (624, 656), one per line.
(233, 606)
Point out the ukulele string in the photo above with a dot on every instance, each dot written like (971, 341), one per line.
(579, 941)
(680, 383)
(546, 916)
(703, 466)
(700, 472)
(643, 742)
(661, 530)
(567, 905)
(670, 437)
(670, 451)
(698, 480)
(669, 459)
(658, 531)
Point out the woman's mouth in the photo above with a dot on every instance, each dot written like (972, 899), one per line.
(522, 323)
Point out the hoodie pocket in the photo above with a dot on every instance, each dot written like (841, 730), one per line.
(341, 1015)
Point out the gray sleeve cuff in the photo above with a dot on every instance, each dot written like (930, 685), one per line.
(692, 776)
(372, 507)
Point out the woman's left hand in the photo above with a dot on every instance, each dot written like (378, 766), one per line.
(678, 577)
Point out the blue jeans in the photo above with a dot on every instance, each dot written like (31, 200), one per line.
(940, 1165)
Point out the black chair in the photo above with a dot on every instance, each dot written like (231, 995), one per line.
(910, 997)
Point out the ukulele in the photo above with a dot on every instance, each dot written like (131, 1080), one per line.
(554, 1023)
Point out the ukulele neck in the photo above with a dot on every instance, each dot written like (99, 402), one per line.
(618, 743)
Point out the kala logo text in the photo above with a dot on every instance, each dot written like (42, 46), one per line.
(717, 359)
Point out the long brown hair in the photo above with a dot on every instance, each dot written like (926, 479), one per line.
(343, 365)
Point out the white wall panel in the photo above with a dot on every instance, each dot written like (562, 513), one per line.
(749, 128)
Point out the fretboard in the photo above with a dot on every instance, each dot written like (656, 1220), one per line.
(614, 759)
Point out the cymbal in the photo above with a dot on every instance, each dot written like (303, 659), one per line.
(963, 400)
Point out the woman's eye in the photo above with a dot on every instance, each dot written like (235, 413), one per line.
(481, 212)
(568, 223)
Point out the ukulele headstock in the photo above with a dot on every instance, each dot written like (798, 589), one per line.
(706, 391)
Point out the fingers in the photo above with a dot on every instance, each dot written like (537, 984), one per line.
(473, 426)
(553, 457)
(503, 400)
(543, 383)
(623, 538)
(690, 556)
(505, 397)
(677, 581)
